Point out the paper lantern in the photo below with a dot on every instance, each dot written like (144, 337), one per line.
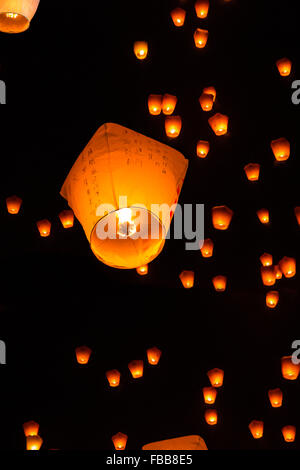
(207, 248)
(266, 259)
(169, 103)
(116, 189)
(154, 104)
(206, 102)
(272, 299)
(33, 442)
(211, 417)
(288, 266)
(179, 443)
(252, 171)
(200, 38)
(289, 433)
(83, 354)
(187, 278)
(278, 273)
(119, 441)
(297, 214)
(284, 66)
(44, 227)
(113, 376)
(209, 395)
(257, 429)
(290, 371)
(263, 215)
(136, 368)
(153, 355)
(178, 16)
(281, 149)
(268, 275)
(67, 218)
(13, 204)
(221, 217)
(15, 15)
(210, 90)
(203, 148)
(173, 126)
(219, 283)
(142, 270)
(275, 397)
(202, 8)
(219, 124)
(216, 377)
(31, 428)
(140, 49)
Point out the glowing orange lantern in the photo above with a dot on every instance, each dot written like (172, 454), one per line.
(154, 104)
(207, 248)
(219, 283)
(140, 49)
(278, 272)
(268, 275)
(252, 171)
(15, 15)
(31, 428)
(44, 227)
(169, 103)
(219, 124)
(289, 433)
(206, 102)
(266, 259)
(290, 371)
(33, 442)
(202, 8)
(142, 270)
(257, 429)
(281, 149)
(187, 279)
(203, 148)
(210, 90)
(178, 443)
(67, 218)
(272, 299)
(173, 126)
(284, 67)
(263, 215)
(288, 266)
(136, 368)
(221, 217)
(216, 377)
(211, 417)
(153, 355)
(113, 377)
(13, 204)
(200, 38)
(119, 441)
(297, 214)
(83, 354)
(275, 397)
(210, 395)
(178, 16)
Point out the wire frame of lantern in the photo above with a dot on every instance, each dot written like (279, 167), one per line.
(266, 259)
(200, 38)
(289, 433)
(284, 66)
(219, 124)
(221, 217)
(83, 354)
(206, 101)
(178, 16)
(203, 148)
(169, 103)
(257, 429)
(67, 218)
(272, 299)
(288, 266)
(153, 356)
(252, 171)
(16, 15)
(119, 441)
(268, 275)
(216, 377)
(31, 428)
(202, 8)
(281, 149)
(173, 126)
(44, 227)
(13, 204)
(187, 278)
(136, 368)
(211, 417)
(209, 395)
(263, 216)
(142, 270)
(207, 248)
(275, 397)
(140, 48)
(113, 377)
(289, 370)
(220, 283)
(154, 104)
(33, 442)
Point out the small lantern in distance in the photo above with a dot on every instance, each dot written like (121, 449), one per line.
(113, 377)
(206, 102)
(173, 126)
(200, 38)
(207, 248)
(154, 104)
(153, 355)
(33, 442)
(187, 278)
(136, 368)
(219, 124)
(257, 429)
(268, 275)
(169, 103)
(140, 49)
(67, 218)
(216, 377)
(278, 272)
(252, 171)
(178, 16)
(202, 8)
(272, 298)
(13, 204)
(284, 66)
(203, 148)
(211, 417)
(220, 283)
(44, 227)
(275, 397)
(266, 259)
(288, 266)
(263, 215)
(142, 270)
(31, 428)
(221, 217)
(290, 371)
(289, 433)
(83, 354)
(209, 395)
(281, 149)
(120, 441)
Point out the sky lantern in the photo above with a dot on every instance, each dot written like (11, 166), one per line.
(263, 215)
(281, 149)
(297, 214)
(289, 433)
(210, 90)
(142, 270)
(169, 103)
(221, 217)
(187, 278)
(31, 428)
(202, 8)
(290, 371)
(252, 171)
(83, 354)
(216, 377)
(284, 66)
(275, 397)
(211, 417)
(67, 218)
(203, 148)
(140, 49)
(209, 395)
(154, 104)
(33, 442)
(118, 197)
(268, 275)
(13, 204)
(220, 283)
(44, 227)
(278, 272)
(119, 441)
(178, 16)
(206, 101)
(153, 355)
(219, 124)
(288, 266)
(136, 368)
(257, 429)
(266, 259)
(113, 376)
(15, 15)
(173, 126)
(200, 38)
(272, 298)
(207, 249)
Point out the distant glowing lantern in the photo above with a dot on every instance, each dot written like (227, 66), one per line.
(113, 377)
(178, 16)
(290, 371)
(140, 49)
(257, 429)
(219, 283)
(67, 218)
(154, 104)
(203, 148)
(142, 270)
(219, 124)
(275, 397)
(136, 368)
(119, 441)
(187, 279)
(173, 126)
(207, 248)
(263, 215)
(33, 442)
(44, 227)
(281, 149)
(252, 171)
(284, 66)
(200, 38)
(31, 428)
(272, 299)
(209, 395)
(15, 15)
(206, 102)
(83, 354)
(289, 433)
(169, 103)
(221, 217)
(278, 272)
(153, 355)
(266, 259)
(297, 214)
(216, 377)
(268, 275)
(288, 266)
(211, 417)
(210, 90)
(13, 204)
(202, 8)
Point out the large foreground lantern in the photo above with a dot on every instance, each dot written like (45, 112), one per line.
(136, 368)
(289, 433)
(252, 171)
(140, 48)
(257, 429)
(219, 124)
(288, 266)
(216, 377)
(31, 428)
(200, 38)
(178, 16)
(13, 204)
(221, 217)
(15, 15)
(275, 397)
(281, 149)
(122, 189)
(187, 278)
(290, 371)
(202, 8)
(120, 441)
(284, 66)
(153, 356)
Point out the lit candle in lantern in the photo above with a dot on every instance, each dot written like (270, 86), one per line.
(209, 395)
(173, 126)
(272, 299)
(200, 38)
(154, 104)
(266, 259)
(203, 148)
(142, 270)
(202, 8)
(178, 16)
(140, 49)
(113, 376)
(16, 15)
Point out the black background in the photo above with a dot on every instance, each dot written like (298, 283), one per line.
(71, 72)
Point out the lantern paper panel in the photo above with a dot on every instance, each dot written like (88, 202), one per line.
(263, 215)
(257, 429)
(33, 442)
(221, 217)
(136, 368)
(187, 278)
(290, 371)
(155, 104)
(288, 266)
(200, 38)
(83, 354)
(67, 218)
(219, 124)
(153, 355)
(173, 126)
(272, 298)
(289, 433)
(275, 397)
(140, 49)
(207, 248)
(169, 103)
(13, 204)
(209, 395)
(211, 417)
(216, 377)
(178, 443)
(281, 149)
(202, 8)
(142, 270)
(113, 376)
(178, 16)
(284, 66)
(16, 15)
(252, 171)
(44, 227)
(120, 441)
(31, 428)
(203, 148)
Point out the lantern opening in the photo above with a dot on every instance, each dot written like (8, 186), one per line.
(13, 23)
